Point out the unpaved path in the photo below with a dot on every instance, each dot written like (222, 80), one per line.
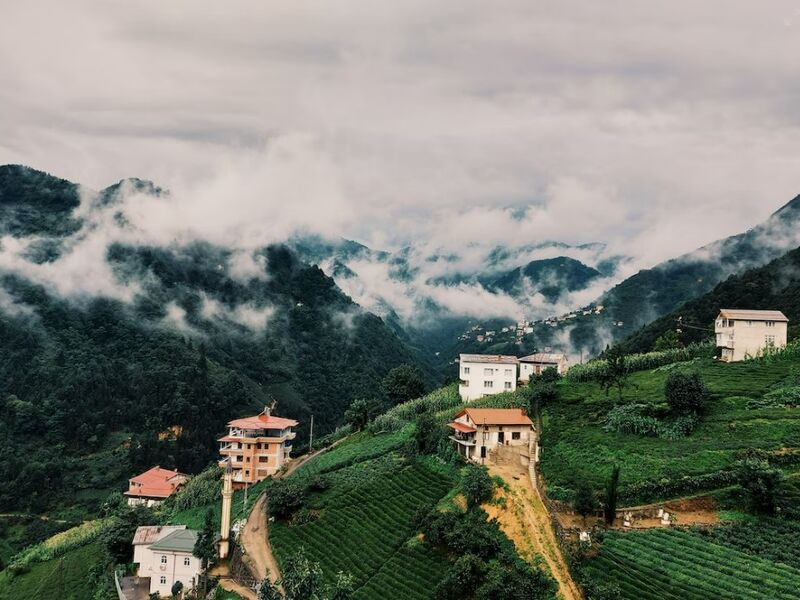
(526, 520)
(254, 536)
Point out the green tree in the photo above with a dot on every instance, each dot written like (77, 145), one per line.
(762, 483)
(177, 588)
(302, 578)
(343, 587)
(686, 392)
(268, 590)
(615, 374)
(426, 433)
(585, 501)
(543, 389)
(669, 340)
(611, 496)
(476, 485)
(205, 548)
(358, 414)
(284, 497)
(403, 383)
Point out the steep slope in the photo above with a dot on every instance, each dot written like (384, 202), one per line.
(653, 292)
(551, 277)
(773, 286)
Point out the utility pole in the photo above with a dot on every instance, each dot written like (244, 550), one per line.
(311, 436)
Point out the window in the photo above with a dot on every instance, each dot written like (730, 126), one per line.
(263, 459)
(238, 459)
(488, 384)
(770, 340)
(515, 435)
(509, 373)
(163, 559)
(488, 371)
(508, 385)
(770, 323)
(466, 370)
(187, 561)
(163, 580)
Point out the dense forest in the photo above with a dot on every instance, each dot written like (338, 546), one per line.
(95, 389)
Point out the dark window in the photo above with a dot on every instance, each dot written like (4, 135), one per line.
(515, 435)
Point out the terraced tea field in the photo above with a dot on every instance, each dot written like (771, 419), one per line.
(665, 564)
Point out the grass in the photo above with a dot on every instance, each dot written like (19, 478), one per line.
(194, 517)
(365, 522)
(671, 564)
(64, 578)
(575, 443)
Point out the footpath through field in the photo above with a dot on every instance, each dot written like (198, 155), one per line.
(526, 520)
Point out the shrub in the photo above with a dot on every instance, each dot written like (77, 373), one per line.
(762, 483)
(611, 496)
(686, 393)
(284, 497)
(585, 502)
(476, 485)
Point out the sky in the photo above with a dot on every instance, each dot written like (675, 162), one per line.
(651, 127)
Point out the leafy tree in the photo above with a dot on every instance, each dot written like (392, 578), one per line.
(611, 496)
(268, 590)
(686, 392)
(358, 414)
(669, 340)
(615, 374)
(205, 548)
(403, 383)
(177, 588)
(476, 485)
(284, 497)
(302, 578)
(427, 433)
(543, 389)
(343, 587)
(585, 501)
(762, 483)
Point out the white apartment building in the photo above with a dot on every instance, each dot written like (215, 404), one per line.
(164, 555)
(486, 374)
(748, 333)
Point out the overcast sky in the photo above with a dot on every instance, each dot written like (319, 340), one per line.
(652, 126)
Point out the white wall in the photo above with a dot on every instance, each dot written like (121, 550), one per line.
(750, 338)
(503, 379)
(173, 570)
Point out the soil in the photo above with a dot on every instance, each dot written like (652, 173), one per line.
(526, 521)
(695, 510)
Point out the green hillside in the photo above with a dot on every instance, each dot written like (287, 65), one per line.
(550, 277)
(773, 286)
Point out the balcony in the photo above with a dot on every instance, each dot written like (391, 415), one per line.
(463, 440)
(724, 340)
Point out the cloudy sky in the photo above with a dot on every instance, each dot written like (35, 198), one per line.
(651, 126)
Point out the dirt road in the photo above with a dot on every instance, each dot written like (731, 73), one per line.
(526, 521)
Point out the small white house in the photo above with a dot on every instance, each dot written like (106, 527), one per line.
(478, 431)
(164, 555)
(486, 374)
(536, 363)
(746, 333)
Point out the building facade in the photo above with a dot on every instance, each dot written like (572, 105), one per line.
(748, 333)
(164, 556)
(257, 446)
(479, 431)
(534, 364)
(486, 374)
(154, 486)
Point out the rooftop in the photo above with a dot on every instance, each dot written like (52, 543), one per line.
(182, 540)
(736, 314)
(543, 357)
(488, 358)
(156, 483)
(461, 427)
(149, 534)
(263, 421)
(496, 416)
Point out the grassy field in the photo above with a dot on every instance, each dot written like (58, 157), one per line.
(64, 578)
(677, 565)
(575, 443)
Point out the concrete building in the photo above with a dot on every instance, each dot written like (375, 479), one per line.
(534, 364)
(154, 486)
(479, 431)
(748, 333)
(164, 556)
(486, 374)
(257, 446)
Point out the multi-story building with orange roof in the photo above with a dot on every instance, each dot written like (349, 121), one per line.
(257, 446)
(154, 486)
(479, 431)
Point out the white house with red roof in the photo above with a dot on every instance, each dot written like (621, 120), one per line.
(478, 431)
(257, 446)
(154, 486)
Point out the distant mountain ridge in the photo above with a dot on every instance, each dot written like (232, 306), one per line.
(549, 277)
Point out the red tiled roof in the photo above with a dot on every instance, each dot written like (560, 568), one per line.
(155, 483)
(497, 416)
(263, 422)
(461, 427)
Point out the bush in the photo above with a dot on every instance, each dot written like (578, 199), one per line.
(476, 485)
(595, 370)
(686, 393)
(284, 497)
(762, 483)
(634, 418)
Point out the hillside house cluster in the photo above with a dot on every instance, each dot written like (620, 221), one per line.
(258, 446)
(486, 374)
(478, 431)
(742, 334)
(154, 486)
(164, 555)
